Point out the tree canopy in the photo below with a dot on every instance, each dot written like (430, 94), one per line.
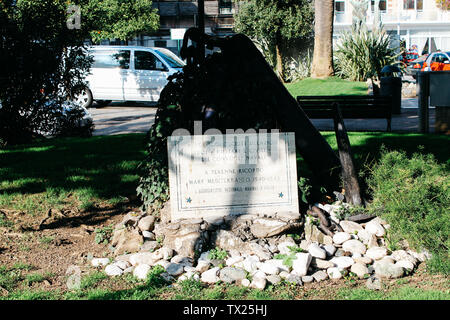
(273, 23)
(118, 19)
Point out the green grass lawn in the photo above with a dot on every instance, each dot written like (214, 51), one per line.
(35, 178)
(326, 87)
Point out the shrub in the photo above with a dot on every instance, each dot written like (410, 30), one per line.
(361, 54)
(413, 196)
(43, 64)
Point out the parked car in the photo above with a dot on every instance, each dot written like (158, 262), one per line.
(128, 73)
(437, 61)
(415, 66)
(409, 56)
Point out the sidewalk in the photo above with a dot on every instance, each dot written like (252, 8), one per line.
(407, 121)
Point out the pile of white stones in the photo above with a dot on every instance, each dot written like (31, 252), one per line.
(359, 249)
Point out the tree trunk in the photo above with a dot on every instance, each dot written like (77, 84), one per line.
(349, 176)
(279, 61)
(322, 65)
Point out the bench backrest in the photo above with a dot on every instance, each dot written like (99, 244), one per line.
(366, 106)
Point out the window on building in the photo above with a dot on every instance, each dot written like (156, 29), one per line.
(225, 6)
(413, 5)
(381, 5)
(339, 6)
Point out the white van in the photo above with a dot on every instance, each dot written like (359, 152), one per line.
(126, 73)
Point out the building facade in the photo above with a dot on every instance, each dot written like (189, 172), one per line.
(178, 16)
(420, 23)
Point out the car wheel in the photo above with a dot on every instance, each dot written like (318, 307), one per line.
(102, 103)
(85, 98)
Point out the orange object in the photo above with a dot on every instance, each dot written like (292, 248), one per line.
(424, 66)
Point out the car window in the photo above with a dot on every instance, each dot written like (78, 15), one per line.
(144, 60)
(112, 59)
(170, 58)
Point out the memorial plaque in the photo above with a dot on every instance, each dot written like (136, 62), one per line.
(232, 174)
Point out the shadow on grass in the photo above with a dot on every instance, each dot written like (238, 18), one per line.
(101, 167)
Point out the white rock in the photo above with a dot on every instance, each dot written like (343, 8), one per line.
(279, 263)
(283, 247)
(334, 273)
(356, 255)
(167, 253)
(354, 246)
(405, 264)
(320, 275)
(141, 271)
(122, 264)
(251, 263)
(189, 269)
(364, 236)
(269, 268)
(185, 261)
(387, 259)
(321, 264)
(202, 266)
(113, 270)
(175, 269)
(341, 237)
(316, 251)
(245, 282)
(376, 253)
(284, 274)
(350, 226)
(301, 263)
(343, 262)
(204, 257)
(146, 223)
(374, 227)
(273, 279)
(399, 255)
(359, 269)
(97, 262)
(294, 279)
(162, 263)
(385, 269)
(259, 280)
(329, 249)
(364, 260)
(128, 270)
(233, 260)
(148, 235)
(211, 276)
(143, 258)
(307, 279)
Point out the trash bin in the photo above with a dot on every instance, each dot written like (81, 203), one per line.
(391, 84)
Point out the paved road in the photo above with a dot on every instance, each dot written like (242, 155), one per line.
(119, 118)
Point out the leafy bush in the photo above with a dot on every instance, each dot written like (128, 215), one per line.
(299, 68)
(361, 54)
(43, 64)
(217, 254)
(413, 195)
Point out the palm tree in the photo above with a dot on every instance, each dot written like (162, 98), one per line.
(322, 65)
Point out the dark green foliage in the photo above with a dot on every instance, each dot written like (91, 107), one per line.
(275, 23)
(236, 101)
(413, 195)
(43, 64)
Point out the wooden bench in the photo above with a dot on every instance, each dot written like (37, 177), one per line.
(352, 107)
